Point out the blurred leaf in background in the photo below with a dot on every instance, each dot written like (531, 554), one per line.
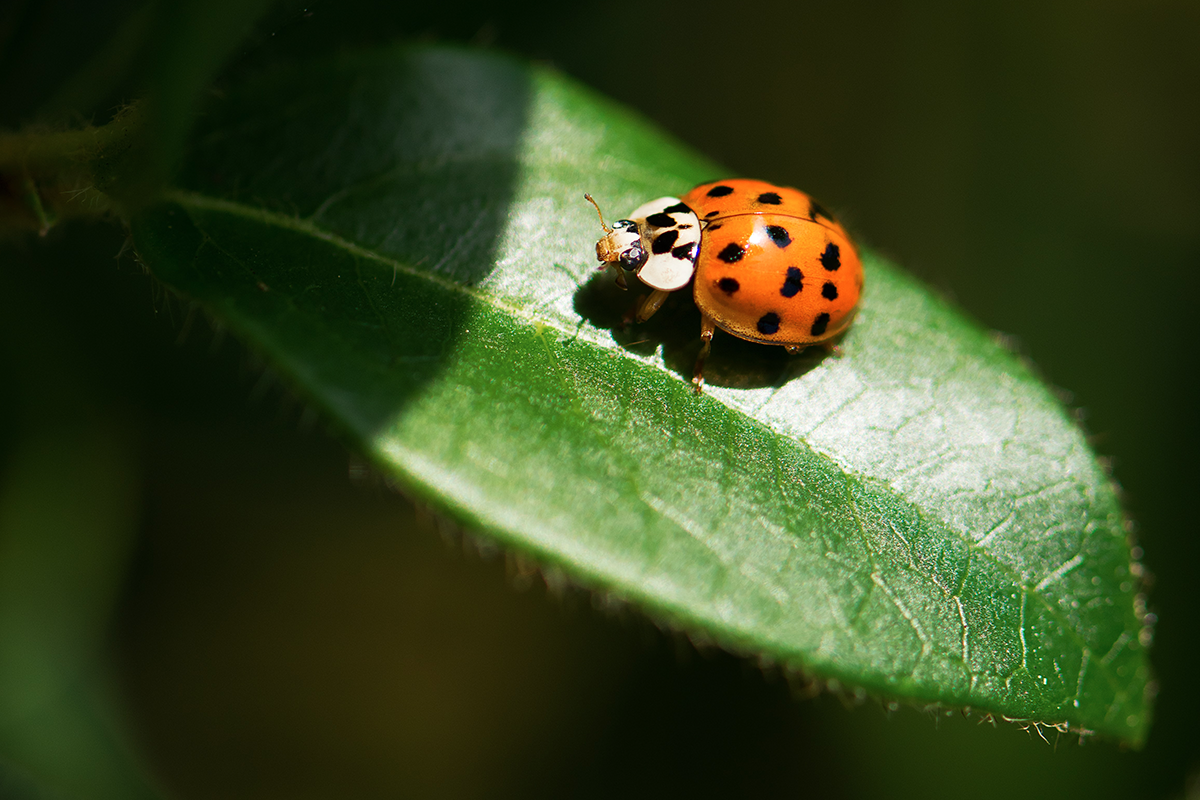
(70, 491)
(1036, 161)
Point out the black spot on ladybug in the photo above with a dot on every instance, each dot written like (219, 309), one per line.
(831, 259)
(714, 226)
(779, 235)
(732, 253)
(815, 210)
(678, 208)
(664, 242)
(712, 213)
(829, 291)
(660, 220)
(793, 283)
(683, 251)
(720, 191)
(728, 285)
(820, 324)
(768, 324)
(770, 198)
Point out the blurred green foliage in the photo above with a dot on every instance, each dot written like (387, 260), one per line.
(1037, 162)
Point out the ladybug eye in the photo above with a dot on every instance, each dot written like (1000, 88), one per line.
(625, 223)
(633, 258)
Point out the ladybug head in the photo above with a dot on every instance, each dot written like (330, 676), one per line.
(621, 244)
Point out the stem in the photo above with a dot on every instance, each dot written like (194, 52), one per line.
(47, 175)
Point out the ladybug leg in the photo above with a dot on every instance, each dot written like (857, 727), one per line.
(707, 328)
(620, 273)
(645, 309)
(652, 303)
(620, 278)
(832, 349)
(794, 349)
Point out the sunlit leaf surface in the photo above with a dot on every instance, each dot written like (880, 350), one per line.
(402, 233)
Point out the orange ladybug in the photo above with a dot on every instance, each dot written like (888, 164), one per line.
(768, 263)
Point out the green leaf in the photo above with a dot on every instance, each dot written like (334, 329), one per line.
(403, 233)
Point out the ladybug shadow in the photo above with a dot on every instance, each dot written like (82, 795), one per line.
(733, 362)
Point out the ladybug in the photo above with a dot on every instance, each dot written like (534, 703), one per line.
(768, 264)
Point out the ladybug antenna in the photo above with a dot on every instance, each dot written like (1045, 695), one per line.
(603, 224)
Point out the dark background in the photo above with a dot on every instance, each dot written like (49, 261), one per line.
(292, 631)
